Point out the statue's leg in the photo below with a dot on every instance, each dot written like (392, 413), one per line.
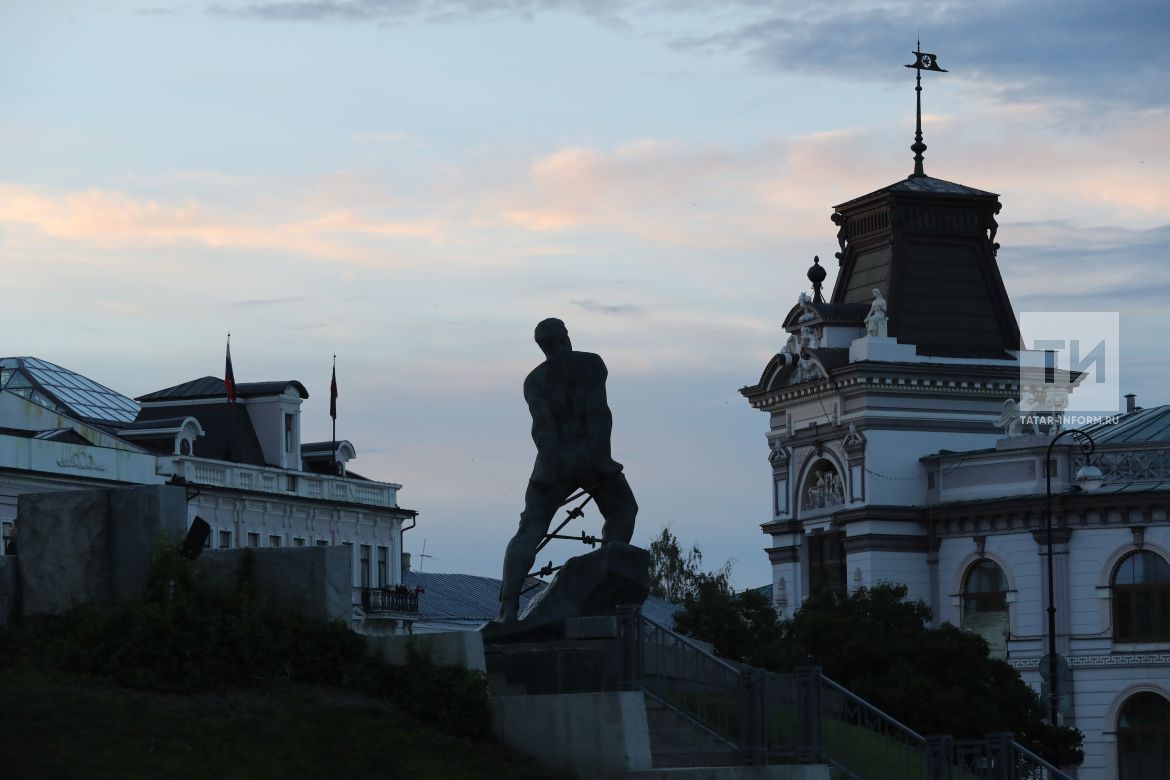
(616, 503)
(541, 502)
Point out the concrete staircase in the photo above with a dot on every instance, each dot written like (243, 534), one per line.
(677, 741)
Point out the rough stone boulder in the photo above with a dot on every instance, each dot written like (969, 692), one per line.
(592, 584)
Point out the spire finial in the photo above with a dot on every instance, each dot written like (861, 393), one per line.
(816, 275)
(923, 62)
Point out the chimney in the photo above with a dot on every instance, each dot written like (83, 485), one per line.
(405, 563)
(1130, 403)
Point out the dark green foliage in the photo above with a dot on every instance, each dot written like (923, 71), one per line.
(183, 638)
(742, 627)
(878, 644)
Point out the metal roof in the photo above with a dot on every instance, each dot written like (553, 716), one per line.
(473, 598)
(461, 596)
(1147, 426)
(927, 185)
(213, 387)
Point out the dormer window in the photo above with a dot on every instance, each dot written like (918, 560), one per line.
(290, 438)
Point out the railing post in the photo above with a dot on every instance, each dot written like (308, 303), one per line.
(632, 648)
(1000, 761)
(940, 757)
(808, 681)
(752, 684)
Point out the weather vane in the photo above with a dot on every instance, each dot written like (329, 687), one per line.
(923, 62)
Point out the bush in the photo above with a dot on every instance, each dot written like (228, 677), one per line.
(182, 637)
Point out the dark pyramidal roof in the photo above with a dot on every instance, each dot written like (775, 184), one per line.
(928, 246)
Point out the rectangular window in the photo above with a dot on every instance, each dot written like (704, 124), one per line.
(225, 540)
(826, 560)
(383, 567)
(273, 540)
(365, 565)
(7, 538)
(322, 542)
(298, 541)
(289, 433)
(253, 540)
(291, 483)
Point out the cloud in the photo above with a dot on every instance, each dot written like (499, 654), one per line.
(1087, 54)
(258, 303)
(116, 219)
(614, 309)
(379, 137)
(390, 11)
(1115, 268)
(1083, 51)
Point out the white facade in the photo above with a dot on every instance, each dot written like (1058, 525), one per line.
(274, 504)
(891, 472)
(897, 455)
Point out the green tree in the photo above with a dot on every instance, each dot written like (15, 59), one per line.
(673, 575)
(740, 626)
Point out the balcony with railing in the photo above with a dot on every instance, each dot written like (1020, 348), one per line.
(268, 479)
(390, 600)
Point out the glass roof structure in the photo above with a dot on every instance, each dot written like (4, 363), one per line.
(64, 391)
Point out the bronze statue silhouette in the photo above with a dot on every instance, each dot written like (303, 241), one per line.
(571, 424)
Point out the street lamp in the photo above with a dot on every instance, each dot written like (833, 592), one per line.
(1088, 477)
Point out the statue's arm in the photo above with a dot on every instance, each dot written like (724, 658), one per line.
(544, 429)
(600, 420)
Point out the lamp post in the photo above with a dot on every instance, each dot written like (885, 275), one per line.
(1087, 478)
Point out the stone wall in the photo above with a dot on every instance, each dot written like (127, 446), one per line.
(92, 545)
(310, 582)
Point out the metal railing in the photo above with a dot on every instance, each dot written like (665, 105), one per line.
(804, 716)
(389, 600)
(856, 736)
(1000, 757)
(684, 675)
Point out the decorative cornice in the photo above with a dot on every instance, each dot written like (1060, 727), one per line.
(1091, 661)
(1059, 535)
(880, 512)
(783, 554)
(783, 527)
(887, 543)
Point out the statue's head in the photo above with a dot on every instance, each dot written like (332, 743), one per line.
(553, 337)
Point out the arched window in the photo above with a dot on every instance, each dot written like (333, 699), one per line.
(985, 610)
(1143, 738)
(1141, 598)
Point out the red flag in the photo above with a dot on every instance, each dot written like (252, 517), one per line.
(333, 392)
(229, 378)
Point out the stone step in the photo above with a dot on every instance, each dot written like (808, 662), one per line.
(676, 741)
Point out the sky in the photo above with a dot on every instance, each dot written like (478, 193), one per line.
(414, 184)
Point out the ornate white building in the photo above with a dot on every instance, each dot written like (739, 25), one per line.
(246, 471)
(896, 456)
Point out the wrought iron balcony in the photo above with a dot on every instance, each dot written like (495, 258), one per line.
(389, 600)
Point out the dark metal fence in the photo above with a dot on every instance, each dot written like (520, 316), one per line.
(804, 716)
(389, 600)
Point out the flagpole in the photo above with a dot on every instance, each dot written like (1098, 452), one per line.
(231, 426)
(333, 409)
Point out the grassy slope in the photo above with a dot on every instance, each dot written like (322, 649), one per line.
(59, 726)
